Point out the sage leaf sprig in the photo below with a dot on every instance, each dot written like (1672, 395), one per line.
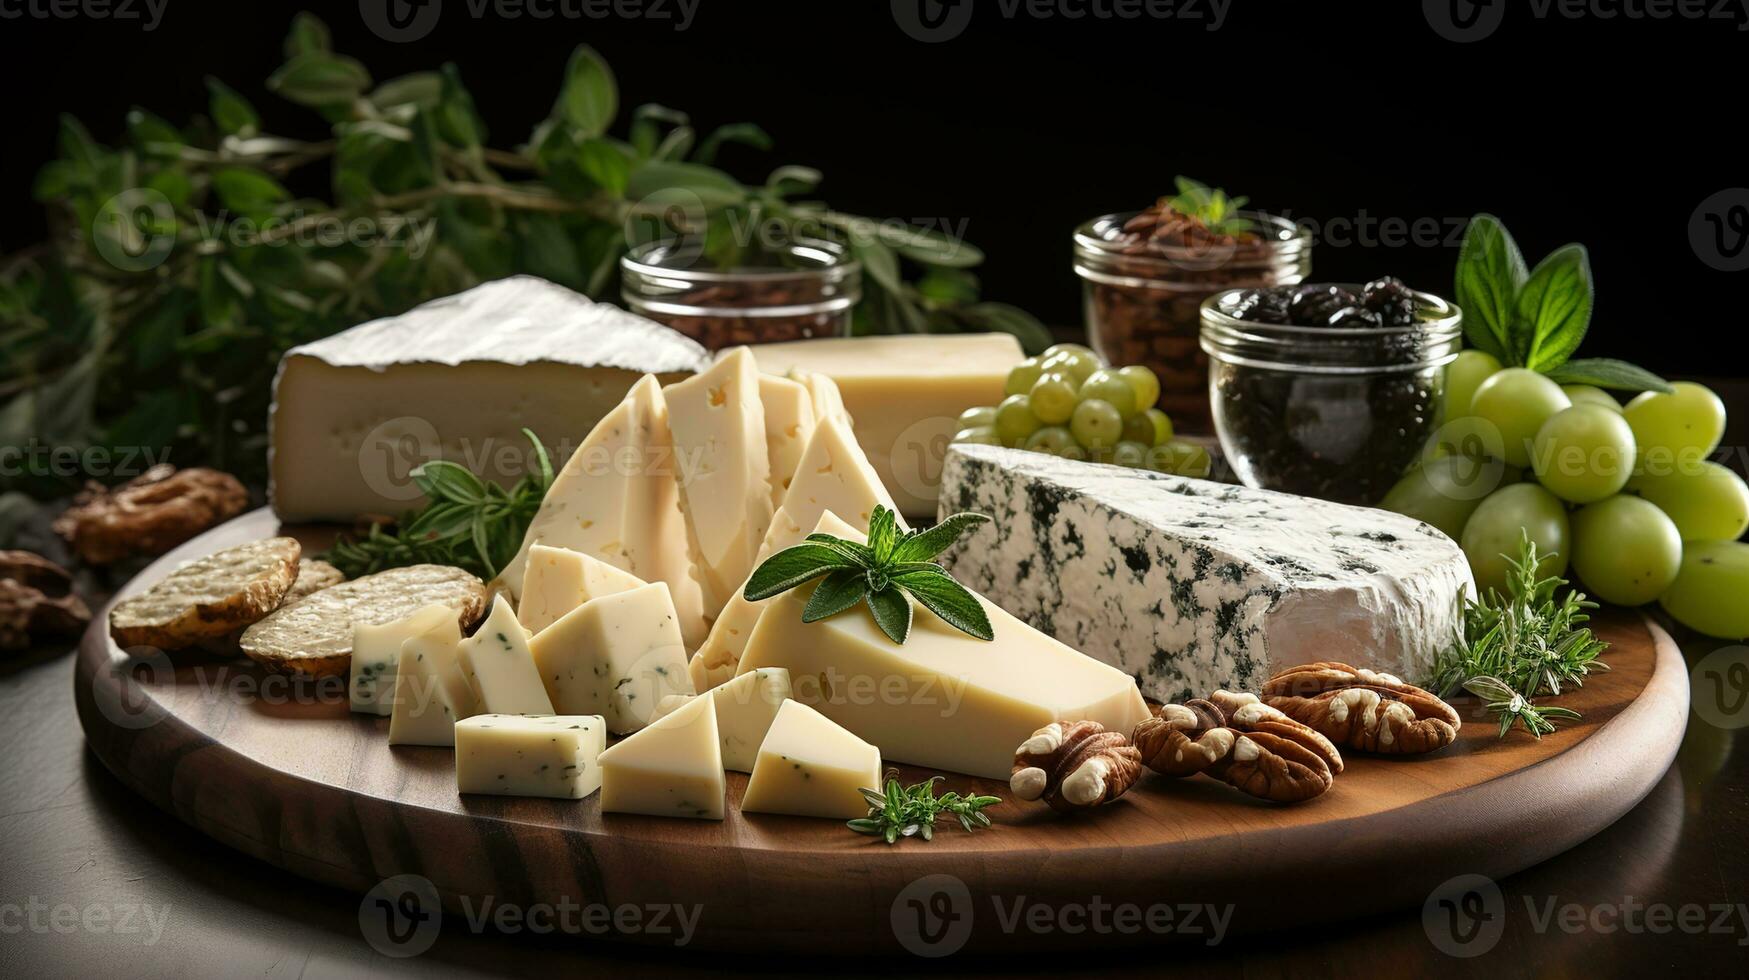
(1211, 206)
(892, 566)
(911, 811)
(1535, 317)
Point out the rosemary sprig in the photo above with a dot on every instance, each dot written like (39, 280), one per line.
(911, 811)
(1525, 644)
(467, 522)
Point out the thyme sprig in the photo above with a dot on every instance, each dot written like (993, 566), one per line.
(911, 811)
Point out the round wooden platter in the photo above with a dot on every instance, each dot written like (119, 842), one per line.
(284, 772)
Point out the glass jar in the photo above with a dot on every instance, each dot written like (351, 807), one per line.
(1143, 301)
(793, 291)
(1330, 412)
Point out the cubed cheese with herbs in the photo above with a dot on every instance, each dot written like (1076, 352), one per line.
(554, 756)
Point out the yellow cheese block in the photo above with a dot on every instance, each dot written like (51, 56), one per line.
(616, 656)
(431, 689)
(745, 709)
(500, 668)
(555, 756)
(674, 768)
(810, 767)
(559, 580)
(905, 394)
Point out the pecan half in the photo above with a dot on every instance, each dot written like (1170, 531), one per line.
(37, 602)
(1074, 766)
(1247, 744)
(1362, 709)
(150, 514)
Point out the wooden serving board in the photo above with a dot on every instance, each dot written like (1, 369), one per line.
(285, 773)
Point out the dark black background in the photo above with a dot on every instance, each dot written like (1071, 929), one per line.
(1606, 131)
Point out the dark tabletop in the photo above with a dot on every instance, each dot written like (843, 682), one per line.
(96, 882)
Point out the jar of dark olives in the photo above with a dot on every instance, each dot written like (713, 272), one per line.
(1144, 278)
(790, 291)
(1327, 390)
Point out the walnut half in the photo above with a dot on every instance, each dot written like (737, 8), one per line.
(150, 514)
(1362, 709)
(1074, 766)
(1243, 742)
(37, 602)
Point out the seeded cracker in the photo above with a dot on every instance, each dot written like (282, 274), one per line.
(208, 598)
(314, 635)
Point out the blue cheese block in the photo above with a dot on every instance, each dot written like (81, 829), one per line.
(1192, 586)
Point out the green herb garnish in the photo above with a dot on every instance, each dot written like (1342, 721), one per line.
(1211, 207)
(467, 522)
(882, 573)
(1535, 318)
(911, 811)
(1526, 644)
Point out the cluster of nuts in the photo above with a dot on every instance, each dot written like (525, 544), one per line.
(150, 514)
(1280, 747)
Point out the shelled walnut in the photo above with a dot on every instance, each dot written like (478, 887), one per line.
(37, 602)
(1074, 766)
(150, 514)
(1363, 710)
(1243, 742)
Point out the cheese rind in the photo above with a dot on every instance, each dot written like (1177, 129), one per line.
(500, 668)
(943, 699)
(457, 378)
(746, 707)
(376, 654)
(719, 440)
(616, 656)
(558, 580)
(809, 766)
(906, 394)
(617, 500)
(431, 689)
(673, 768)
(789, 422)
(555, 756)
(1192, 586)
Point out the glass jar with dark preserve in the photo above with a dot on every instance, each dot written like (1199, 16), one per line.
(789, 291)
(1318, 393)
(1144, 278)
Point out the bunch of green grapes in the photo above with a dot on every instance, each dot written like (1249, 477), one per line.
(1625, 496)
(1068, 402)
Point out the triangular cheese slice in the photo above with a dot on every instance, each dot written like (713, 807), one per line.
(834, 477)
(617, 499)
(500, 668)
(376, 654)
(809, 766)
(558, 580)
(431, 689)
(674, 768)
(745, 709)
(616, 656)
(719, 443)
(789, 422)
(828, 401)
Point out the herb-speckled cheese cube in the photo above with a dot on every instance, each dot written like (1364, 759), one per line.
(1192, 586)
(530, 755)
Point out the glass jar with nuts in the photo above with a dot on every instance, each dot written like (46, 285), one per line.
(789, 291)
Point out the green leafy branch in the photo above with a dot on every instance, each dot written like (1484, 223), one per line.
(1211, 207)
(911, 811)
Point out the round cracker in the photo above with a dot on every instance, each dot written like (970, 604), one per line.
(314, 634)
(209, 597)
(314, 575)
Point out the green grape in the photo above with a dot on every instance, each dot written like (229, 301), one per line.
(1625, 550)
(1708, 592)
(1080, 349)
(1107, 385)
(1076, 364)
(1686, 425)
(1022, 376)
(1584, 453)
(1053, 399)
(1517, 401)
(1180, 459)
(1052, 439)
(1015, 421)
(1131, 454)
(1469, 436)
(1462, 377)
(1591, 395)
(981, 435)
(1494, 528)
(977, 418)
(1139, 428)
(1708, 502)
(1445, 490)
(1162, 426)
(1074, 452)
(1145, 384)
(1096, 424)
